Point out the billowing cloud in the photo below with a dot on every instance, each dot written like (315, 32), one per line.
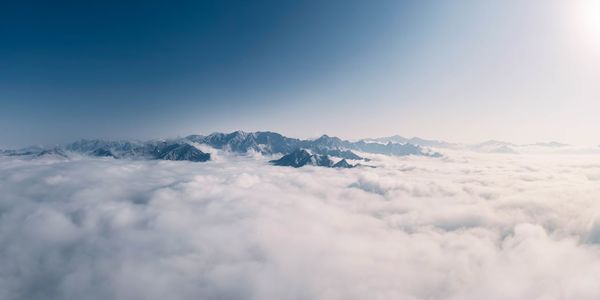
(467, 226)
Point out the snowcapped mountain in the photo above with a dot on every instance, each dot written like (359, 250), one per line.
(394, 149)
(244, 142)
(343, 164)
(181, 152)
(493, 146)
(490, 146)
(397, 139)
(117, 149)
(316, 151)
(345, 154)
(274, 143)
(56, 152)
(303, 157)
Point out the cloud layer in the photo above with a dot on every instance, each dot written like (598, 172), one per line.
(467, 226)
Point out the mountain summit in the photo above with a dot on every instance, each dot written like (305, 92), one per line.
(303, 157)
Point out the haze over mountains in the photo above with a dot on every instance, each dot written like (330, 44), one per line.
(489, 146)
(415, 141)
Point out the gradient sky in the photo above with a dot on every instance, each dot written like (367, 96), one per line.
(464, 71)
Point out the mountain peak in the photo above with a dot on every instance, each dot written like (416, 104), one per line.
(302, 157)
(343, 164)
(182, 152)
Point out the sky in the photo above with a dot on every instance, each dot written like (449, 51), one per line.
(463, 71)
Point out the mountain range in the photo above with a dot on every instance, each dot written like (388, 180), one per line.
(490, 146)
(297, 152)
(414, 141)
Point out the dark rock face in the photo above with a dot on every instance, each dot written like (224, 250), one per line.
(345, 154)
(243, 142)
(101, 152)
(182, 152)
(343, 164)
(302, 157)
(18, 153)
(52, 152)
(296, 159)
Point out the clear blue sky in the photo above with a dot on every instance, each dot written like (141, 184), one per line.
(456, 70)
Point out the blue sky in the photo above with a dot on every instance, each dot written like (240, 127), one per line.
(464, 71)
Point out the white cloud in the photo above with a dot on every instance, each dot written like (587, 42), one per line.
(469, 226)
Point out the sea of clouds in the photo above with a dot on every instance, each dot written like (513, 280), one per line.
(465, 226)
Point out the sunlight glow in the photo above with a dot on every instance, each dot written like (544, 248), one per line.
(588, 20)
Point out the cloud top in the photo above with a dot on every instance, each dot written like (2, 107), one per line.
(469, 226)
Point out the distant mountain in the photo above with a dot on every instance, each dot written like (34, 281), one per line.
(181, 152)
(551, 144)
(397, 139)
(494, 146)
(274, 143)
(392, 149)
(165, 150)
(56, 152)
(101, 152)
(343, 164)
(117, 149)
(494, 143)
(503, 149)
(345, 154)
(244, 142)
(302, 157)
(328, 142)
(18, 152)
(491, 146)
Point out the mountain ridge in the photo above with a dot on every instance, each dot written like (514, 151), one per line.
(239, 142)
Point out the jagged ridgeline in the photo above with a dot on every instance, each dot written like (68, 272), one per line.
(296, 152)
(303, 157)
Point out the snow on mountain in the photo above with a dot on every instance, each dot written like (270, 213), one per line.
(494, 146)
(181, 152)
(274, 143)
(343, 164)
(397, 139)
(238, 142)
(302, 157)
